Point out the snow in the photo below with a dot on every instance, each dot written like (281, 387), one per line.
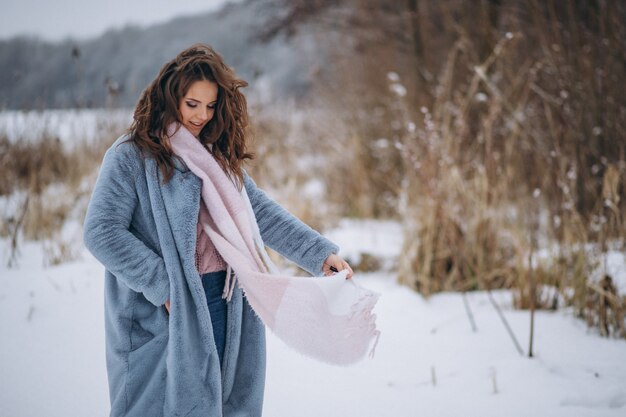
(612, 263)
(52, 354)
(357, 237)
(616, 268)
(69, 126)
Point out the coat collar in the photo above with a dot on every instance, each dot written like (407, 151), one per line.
(183, 195)
(181, 202)
(180, 165)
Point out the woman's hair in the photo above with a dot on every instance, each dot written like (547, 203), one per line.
(158, 108)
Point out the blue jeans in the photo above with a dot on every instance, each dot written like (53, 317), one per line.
(213, 284)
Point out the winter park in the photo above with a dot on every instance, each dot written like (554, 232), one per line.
(464, 161)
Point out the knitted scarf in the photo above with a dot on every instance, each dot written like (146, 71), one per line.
(329, 319)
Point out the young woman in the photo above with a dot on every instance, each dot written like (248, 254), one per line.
(168, 221)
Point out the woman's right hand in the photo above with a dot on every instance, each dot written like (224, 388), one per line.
(167, 306)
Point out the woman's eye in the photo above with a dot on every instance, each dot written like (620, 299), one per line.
(192, 105)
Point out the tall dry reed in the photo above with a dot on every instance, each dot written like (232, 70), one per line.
(495, 133)
(44, 184)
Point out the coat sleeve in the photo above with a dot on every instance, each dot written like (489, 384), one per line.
(106, 229)
(286, 234)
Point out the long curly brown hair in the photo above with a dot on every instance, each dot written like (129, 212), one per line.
(158, 108)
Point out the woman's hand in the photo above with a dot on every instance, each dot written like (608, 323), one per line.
(167, 306)
(338, 263)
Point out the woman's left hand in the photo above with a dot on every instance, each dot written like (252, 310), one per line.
(338, 263)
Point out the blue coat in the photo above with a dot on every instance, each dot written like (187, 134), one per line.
(144, 233)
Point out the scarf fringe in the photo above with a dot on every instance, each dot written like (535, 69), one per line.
(362, 309)
(229, 284)
(373, 350)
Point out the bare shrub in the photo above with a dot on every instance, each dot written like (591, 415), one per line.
(504, 128)
(48, 183)
(292, 157)
(32, 166)
(58, 251)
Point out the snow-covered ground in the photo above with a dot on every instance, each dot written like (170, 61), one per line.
(428, 362)
(70, 126)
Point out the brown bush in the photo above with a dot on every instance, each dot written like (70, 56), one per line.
(502, 133)
(47, 182)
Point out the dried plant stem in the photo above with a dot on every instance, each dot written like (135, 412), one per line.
(532, 292)
(17, 227)
(433, 376)
(506, 323)
(468, 310)
(493, 381)
(615, 303)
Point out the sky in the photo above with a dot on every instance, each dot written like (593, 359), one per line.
(58, 19)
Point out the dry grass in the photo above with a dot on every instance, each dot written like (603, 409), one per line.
(500, 138)
(46, 183)
(292, 162)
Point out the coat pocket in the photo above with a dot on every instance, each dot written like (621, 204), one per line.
(148, 322)
(147, 372)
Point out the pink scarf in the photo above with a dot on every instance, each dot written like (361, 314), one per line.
(329, 319)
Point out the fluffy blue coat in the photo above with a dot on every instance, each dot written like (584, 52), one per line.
(144, 233)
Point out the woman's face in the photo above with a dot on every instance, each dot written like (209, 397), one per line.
(197, 106)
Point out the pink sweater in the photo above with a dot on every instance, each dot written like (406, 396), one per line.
(208, 258)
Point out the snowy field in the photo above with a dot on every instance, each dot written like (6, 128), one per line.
(428, 362)
(69, 126)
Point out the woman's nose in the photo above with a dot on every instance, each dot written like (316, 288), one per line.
(202, 115)
(206, 114)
